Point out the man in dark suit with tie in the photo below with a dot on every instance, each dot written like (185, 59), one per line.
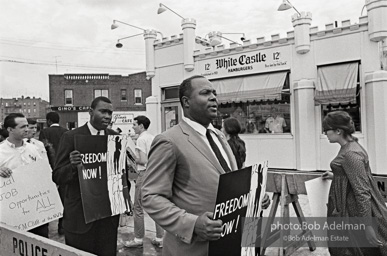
(98, 237)
(50, 138)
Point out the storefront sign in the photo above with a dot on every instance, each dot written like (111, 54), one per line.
(70, 108)
(122, 118)
(273, 59)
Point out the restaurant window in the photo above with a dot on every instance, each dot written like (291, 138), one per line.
(68, 97)
(99, 93)
(261, 103)
(171, 93)
(123, 95)
(137, 96)
(338, 88)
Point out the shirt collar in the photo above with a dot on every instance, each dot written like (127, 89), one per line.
(144, 132)
(94, 131)
(10, 144)
(54, 125)
(200, 128)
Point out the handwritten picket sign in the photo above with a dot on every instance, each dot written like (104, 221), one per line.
(29, 198)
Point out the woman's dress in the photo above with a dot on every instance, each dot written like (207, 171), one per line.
(354, 193)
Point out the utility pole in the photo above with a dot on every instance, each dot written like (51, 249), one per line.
(56, 63)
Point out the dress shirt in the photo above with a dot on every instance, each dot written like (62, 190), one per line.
(201, 130)
(39, 146)
(54, 125)
(12, 157)
(94, 131)
(143, 143)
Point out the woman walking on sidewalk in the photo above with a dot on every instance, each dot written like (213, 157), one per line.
(353, 191)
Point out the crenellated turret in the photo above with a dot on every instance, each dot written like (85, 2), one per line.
(189, 26)
(377, 19)
(301, 24)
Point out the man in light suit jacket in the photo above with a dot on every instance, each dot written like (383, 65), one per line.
(100, 236)
(180, 185)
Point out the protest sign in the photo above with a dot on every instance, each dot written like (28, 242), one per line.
(238, 205)
(103, 175)
(29, 198)
(318, 193)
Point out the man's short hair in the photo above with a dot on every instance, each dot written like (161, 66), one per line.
(143, 120)
(95, 102)
(185, 88)
(9, 120)
(53, 117)
(4, 133)
(31, 121)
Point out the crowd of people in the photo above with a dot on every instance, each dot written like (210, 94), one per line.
(178, 174)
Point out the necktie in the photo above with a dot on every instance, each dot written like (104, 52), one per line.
(217, 152)
(98, 132)
(29, 141)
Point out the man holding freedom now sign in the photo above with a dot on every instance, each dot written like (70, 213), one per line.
(91, 177)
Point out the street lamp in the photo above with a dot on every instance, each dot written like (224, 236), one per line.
(286, 5)
(119, 45)
(163, 8)
(115, 25)
(215, 37)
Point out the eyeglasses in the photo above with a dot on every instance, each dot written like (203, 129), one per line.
(326, 130)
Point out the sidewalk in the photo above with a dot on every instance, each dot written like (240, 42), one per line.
(127, 233)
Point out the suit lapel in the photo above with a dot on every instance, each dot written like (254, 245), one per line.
(85, 129)
(198, 143)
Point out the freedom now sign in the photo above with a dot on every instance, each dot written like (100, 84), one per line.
(103, 175)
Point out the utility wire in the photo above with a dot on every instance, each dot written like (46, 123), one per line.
(69, 65)
(53, 46)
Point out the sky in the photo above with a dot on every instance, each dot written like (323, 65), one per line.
(39, 38)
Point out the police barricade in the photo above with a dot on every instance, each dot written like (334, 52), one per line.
(20, 243)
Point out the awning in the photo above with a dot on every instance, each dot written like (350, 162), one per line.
(336, 84)
(250, 88)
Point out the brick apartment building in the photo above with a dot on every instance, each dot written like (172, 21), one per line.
(35, 108)
(71, 94)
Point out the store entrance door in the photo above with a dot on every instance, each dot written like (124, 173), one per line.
(171, 115)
